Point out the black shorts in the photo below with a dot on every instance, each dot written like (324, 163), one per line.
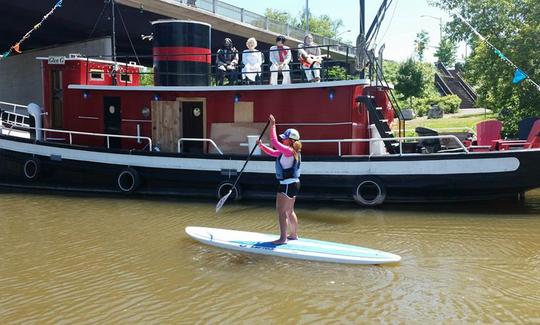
(290, 190)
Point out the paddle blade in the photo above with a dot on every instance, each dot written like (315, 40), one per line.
(223, 200)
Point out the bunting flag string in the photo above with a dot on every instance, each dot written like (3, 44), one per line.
(17, 46)
(519, 75)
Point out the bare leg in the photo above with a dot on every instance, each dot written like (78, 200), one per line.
(293, 220)
(281, 205)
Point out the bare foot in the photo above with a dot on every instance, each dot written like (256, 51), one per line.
(280, 241)
(291, 237)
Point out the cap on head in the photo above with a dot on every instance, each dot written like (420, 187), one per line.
(292, 134)
(280, 38)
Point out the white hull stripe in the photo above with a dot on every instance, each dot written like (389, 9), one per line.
(346, 168)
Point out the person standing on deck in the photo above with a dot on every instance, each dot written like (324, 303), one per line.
(252, 60)
(288, 161)
(280, 56)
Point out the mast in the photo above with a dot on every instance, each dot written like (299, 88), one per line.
(113, 32)
(362, 29)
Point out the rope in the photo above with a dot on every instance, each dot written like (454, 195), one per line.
(503, 57)
(16, 46)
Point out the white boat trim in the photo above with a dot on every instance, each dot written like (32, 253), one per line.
(323, 168)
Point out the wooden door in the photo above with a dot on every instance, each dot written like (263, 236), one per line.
(166, 125)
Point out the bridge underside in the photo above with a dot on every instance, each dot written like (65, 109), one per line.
(75, 20)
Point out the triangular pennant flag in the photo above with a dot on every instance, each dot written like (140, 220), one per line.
(16, 48)
(519, 76)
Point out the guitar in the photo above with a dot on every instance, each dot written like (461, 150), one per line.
(309, 60)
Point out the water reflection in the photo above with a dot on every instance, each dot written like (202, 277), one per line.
(117, 260)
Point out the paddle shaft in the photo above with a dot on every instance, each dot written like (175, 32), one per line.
(249, 157)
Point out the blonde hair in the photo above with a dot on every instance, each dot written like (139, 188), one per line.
(297, 147)
(252, 41)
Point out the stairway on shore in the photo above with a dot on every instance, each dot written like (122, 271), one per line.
(450, 82)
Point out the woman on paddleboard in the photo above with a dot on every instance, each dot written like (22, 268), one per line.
(288, 174)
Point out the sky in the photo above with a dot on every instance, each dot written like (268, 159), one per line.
(402, 22)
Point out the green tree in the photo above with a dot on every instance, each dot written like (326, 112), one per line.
(412, 80)
(446, 52)
(279, 16)
(511, 26)
(322, 25)
(421, 43)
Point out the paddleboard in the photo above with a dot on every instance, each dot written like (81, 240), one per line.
(305, 249)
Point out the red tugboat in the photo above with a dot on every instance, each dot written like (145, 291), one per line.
(101, 131)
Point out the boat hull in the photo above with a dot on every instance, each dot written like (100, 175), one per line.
(408, 178)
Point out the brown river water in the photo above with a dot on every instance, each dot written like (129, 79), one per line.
(89, 260)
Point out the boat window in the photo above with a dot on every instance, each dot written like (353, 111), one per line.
(125, 77)
(96, 75)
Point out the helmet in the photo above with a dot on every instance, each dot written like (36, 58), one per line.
(292, 134)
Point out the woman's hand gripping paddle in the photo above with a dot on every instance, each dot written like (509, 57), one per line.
(226, 196)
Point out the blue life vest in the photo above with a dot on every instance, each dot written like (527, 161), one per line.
(288, 173)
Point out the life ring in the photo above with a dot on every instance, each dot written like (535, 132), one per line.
(128, 180)
(370, 192)
(31, 169)
(224, 187)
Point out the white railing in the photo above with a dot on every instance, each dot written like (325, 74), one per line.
(198, 140)
(400, 140)
(13, 119)
(245, 16)
(13, 105)
(71, 133)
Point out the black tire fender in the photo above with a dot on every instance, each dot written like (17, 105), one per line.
(223, 188)
(31, 169)
(128, 180)
(369, 191)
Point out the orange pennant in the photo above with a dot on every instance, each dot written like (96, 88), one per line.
(16, 48)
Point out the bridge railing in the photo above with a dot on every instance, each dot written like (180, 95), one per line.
(240, 14)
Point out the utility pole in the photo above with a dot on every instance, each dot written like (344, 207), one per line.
(307, 17)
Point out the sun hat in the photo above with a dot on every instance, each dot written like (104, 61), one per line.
(290, 134)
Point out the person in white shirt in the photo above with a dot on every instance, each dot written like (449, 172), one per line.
(280, 56)
(310, 58)
(252, 59)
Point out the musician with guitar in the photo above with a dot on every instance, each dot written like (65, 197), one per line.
(309, 55)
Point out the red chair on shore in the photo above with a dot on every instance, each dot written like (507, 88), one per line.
(486, 132)
(533, 140)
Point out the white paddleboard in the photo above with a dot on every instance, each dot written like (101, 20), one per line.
(306, 249)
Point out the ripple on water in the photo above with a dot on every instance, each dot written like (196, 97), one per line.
(109, 260)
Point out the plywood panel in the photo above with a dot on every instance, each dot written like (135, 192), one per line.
(166, 125)
(229, 136)
(243, 112)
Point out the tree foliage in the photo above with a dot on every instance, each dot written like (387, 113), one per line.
(446, 52)
(322, 25)
(421, 43)
(412, 79)
(513, 27)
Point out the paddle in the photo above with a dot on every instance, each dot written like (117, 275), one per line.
(225, 197)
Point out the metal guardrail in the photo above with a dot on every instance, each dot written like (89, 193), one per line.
(399, 139)
(245, 16)
(198, 140)
(71, 133)
(13, 105)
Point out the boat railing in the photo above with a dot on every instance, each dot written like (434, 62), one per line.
(70, 134)
(122, 73)
(13, 106)
(461, 147)
(15, 119)
(181, 140)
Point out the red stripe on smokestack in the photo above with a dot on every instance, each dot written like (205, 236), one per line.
(182, 53)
